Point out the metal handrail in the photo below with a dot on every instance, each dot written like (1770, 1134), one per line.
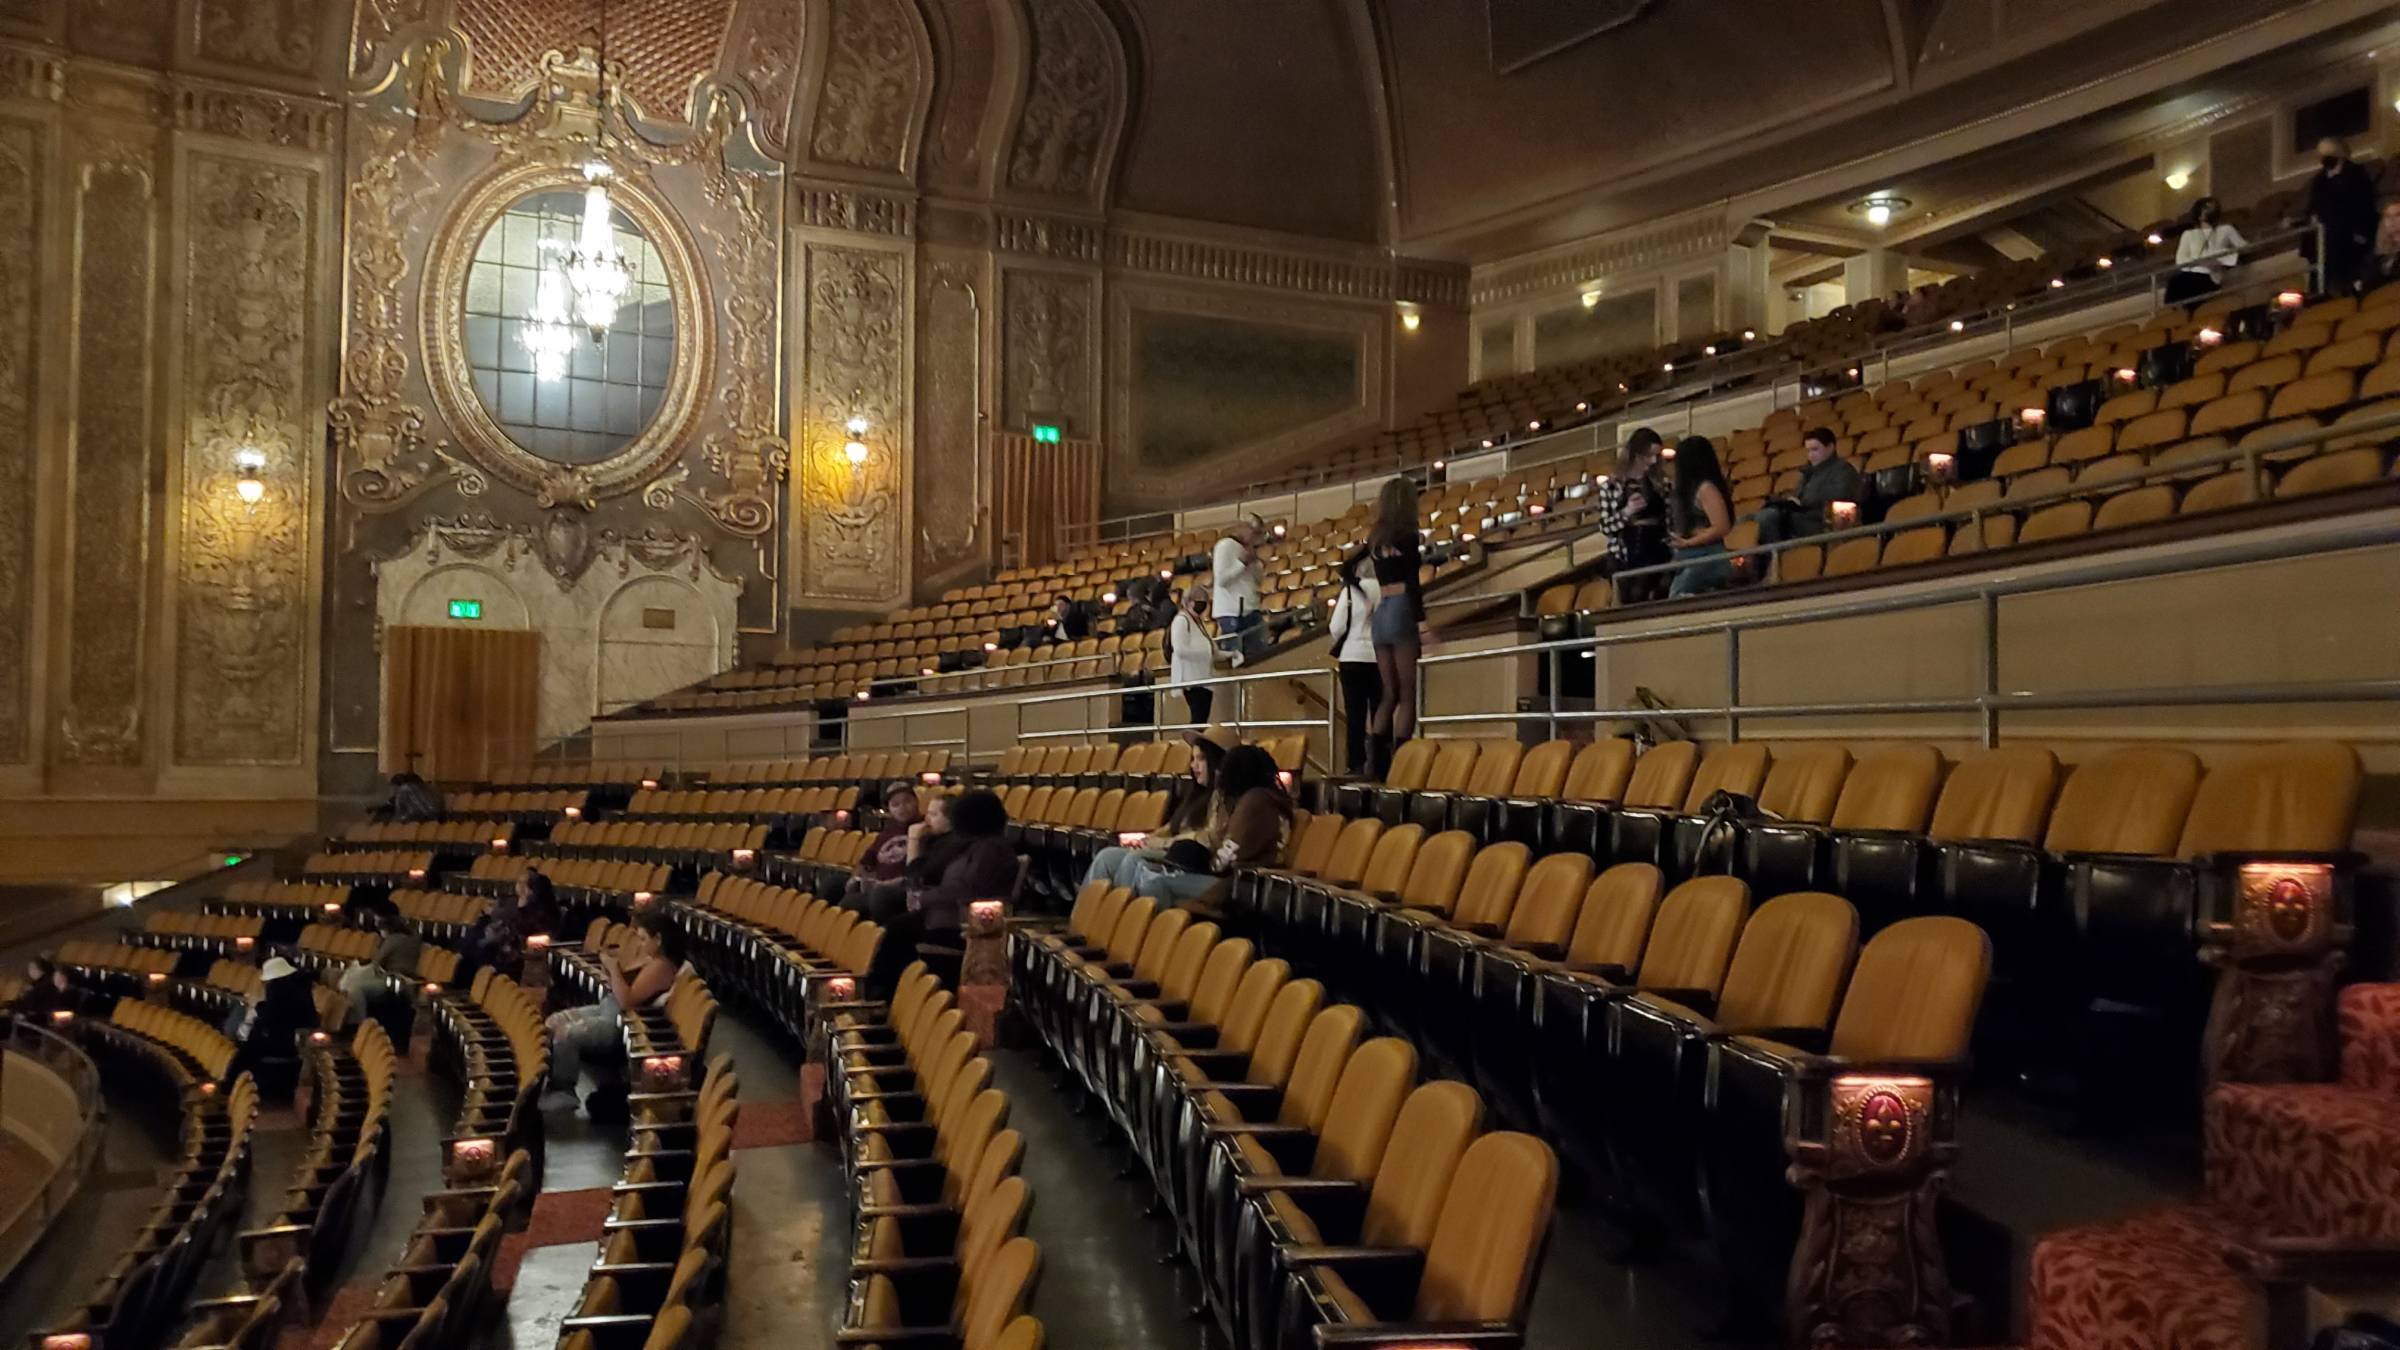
(2248, 457)
(1904, 343)
(67, 1059)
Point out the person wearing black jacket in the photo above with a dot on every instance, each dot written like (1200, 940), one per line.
(1828, 478)
(2341, 200)
(1068, 621)
(958, 855)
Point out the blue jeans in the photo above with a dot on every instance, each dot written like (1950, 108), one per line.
(1117, 865)
(1704, 576)
(1173, 886)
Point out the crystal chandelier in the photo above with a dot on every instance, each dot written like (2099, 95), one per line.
(548, 334)
(595, 267)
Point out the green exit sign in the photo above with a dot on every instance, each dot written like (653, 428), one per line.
(466, 609)
(1047, 433)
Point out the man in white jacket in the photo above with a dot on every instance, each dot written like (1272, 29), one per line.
(1234, 576)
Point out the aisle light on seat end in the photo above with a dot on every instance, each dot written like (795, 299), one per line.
(1108, 597)
(318, 1038)
(2208, 337)
(1958, 325)
(500, 844)
(469, 1159)
(2154, 238)
(1939, 463)
(537, 942)
(2127, 375)
(1584, 406)
(1749, 335)
(207, 1088)
(650, 785)
(414, 874)
(986, 914)
(67, 1340)
(2058, 283)
(743, 857)
(2289, 299)
(243, 944)
(1283, 779)
(2105, 262)
(157, 978)
(59, 1017)
(1843, 515)
(2032, 418)
(641, 898)
(1709, 350)
(574, 813)
(930, 778)
(662, 1072)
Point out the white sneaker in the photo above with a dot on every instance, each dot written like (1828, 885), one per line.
(559, 1099)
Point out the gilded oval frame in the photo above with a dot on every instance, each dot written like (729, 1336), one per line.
(441, 315)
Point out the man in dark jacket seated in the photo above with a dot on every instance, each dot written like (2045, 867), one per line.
(1829, 478)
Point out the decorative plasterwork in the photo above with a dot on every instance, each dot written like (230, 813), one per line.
(950, 502)
(1362, 276)
(255, 115)
(24, 187)
(243, 614)
(856, 321)
(1049, 353)
(762, 53)
(1074, 104)
(858, 210)
(26, 74)
(874, 84)
(1659, 243)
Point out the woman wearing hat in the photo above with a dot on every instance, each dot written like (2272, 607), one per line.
(269, 1024)
(1252, 818)
(1194, 817)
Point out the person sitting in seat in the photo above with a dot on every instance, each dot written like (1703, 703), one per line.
(47, 991)
(1827, 479)
(640, 979)
(267, 1028)
(880, 867)
(497, 939)
(413, 799)
(1702, 514)
(371, 982)
(1257, 819)
(960, 856)
(1192, 817)
(1068, 621)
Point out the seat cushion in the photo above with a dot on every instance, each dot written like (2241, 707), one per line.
(2158, 1281)
(1345, 1300)
(1255, 1156)
(1294, 1219)
(2318, 1160)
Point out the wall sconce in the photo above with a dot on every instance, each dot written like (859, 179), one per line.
(855, 448)
(1411, 318)
(247, 485)
(2178, 179)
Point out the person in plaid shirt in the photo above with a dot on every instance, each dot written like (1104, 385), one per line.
(1632, 509)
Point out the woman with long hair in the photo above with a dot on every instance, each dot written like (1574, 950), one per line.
(1396, 618)
(1249, 828)
(1195, 813)
(1354, 657)
(2204, 253)
(1703, 510)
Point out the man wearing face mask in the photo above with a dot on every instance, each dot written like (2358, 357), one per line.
(2341, 200)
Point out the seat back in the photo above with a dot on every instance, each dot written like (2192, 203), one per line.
(1246, 1015)
(1228, 963)
(1453, 764)
(1915, 993)
(1158, 944)
(1280, 1033)
(1432, 1132)
(1489, 893)
(1726, 768)
(1487, 1243)
(1692, 938)
(1804, 782)
(1354, 843)
(1548, 898)
(1890, 788)
(1788, 969)
(1495, 767)
(2000, 793)
(1662, 775)
(1393, 860)
(1184, 963)
(1000, 1293)
(2300, 797)
(1364, 1107)
(1440, 869)
(1600, 771)
(1324, 1051)
(1542, 770)
(2129, 800)
(1314, 842)
(1613, 924)
(1410, 764)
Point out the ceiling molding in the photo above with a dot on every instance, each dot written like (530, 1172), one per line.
(1692, 234)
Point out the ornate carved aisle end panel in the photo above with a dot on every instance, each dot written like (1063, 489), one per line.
(109, 522)
(243, 612)
(853, 539)
(24, 183)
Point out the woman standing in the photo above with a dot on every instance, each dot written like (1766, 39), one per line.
(1396, 618)
(1354, 657)
(1703, 517)
(1192, 654)
(2203, 253)
(1633, 515)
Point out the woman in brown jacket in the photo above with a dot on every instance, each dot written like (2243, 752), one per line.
(1256, 818)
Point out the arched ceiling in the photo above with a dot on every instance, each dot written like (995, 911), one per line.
(1263, 116)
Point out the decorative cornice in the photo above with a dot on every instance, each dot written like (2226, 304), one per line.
(856, 210)
(1654, 244)
(255, 115)
(25, 73)
(1049, 236)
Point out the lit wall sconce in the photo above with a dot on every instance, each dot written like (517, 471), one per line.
(855, 448)
(248, 461)
(1411, 318)
(2178, 179)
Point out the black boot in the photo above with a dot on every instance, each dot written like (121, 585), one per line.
(1379, 754)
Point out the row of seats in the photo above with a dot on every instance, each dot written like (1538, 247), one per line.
(520, 805)
(490, 1037)
(462, 831)
(682, 839)
(341, 1170)
(666, 1041)
(742, 803)
(230, 981)
(387, 865)
(779, 950)
(328, 944)
(1273, 1137)
(143, 1294)
(439, 914)
(659, 1281)
(281, 900)
(604, 881)
(438, 1292)
(938, 1252)
(192, 930)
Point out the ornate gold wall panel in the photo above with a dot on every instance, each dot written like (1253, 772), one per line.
(763, 54)
(110, 530)
(1074, 103)
(1049, 340)
(24, 187)
(285, 37)
(950, 489)
(252, 343)
(851, 522)
(877, 74)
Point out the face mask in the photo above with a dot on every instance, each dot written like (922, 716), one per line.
(2330, 161)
